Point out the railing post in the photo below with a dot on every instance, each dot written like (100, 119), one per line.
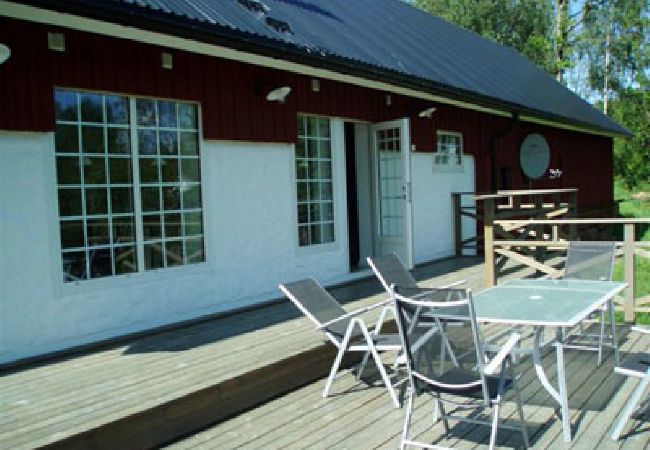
(630, 269)
(573, 214)
(458, 222)
(488, 236)
(540, 252)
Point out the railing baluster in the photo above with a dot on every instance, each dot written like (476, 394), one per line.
(630, 272)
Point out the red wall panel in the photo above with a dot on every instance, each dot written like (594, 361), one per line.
(232, 97)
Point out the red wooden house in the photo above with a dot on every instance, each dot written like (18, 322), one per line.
(167, 159)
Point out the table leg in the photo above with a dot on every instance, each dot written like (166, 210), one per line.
(561, 396)
(612, 320)
(561, 381)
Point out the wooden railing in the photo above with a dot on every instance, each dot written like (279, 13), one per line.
(532, 242)
(529, 204)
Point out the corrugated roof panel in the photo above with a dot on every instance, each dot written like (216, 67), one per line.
(391, 35)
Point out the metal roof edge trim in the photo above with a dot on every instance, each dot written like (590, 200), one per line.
(236, 46)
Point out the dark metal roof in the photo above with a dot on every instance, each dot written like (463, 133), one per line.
(380, 39)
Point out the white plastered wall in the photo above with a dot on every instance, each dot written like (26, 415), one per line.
(251, 246)
(433, 220)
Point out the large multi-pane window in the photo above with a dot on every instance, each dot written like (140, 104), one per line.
(128, 184)
(314, 181)
(449, 149)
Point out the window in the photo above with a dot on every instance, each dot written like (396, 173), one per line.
(449, 149)
(314, 181)
(102, 165)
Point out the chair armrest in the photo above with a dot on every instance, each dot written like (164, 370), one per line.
(354, 313)
(498, 359)
(644, 330)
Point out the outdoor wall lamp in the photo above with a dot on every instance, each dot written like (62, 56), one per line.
(428, 113)
(279, 94)
(5, 53)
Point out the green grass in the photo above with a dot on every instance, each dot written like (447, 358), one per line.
(628, 207)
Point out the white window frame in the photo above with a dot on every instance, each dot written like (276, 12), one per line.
(332, 160)
(135, 185)
(445, 160)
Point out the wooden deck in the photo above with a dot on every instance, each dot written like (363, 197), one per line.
(266, 365)
(362, 417)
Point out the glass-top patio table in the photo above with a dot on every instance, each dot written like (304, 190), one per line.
(548, 303)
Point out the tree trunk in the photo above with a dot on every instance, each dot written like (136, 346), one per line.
(561, 35)
(608, 63)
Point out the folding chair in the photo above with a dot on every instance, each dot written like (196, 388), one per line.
(391, 271)
(591, 260)
(345, 330)
(637, 366)
(466, 381)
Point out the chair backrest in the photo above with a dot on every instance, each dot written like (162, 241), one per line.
(391, 270)
(442, 355)
(318, 305)
(588, 260)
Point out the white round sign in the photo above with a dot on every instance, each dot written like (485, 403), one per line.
(534, 156)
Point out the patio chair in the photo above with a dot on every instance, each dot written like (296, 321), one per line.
(464, 382)
(391, 271)
(637, 366)
(346, 330)
(587, 260)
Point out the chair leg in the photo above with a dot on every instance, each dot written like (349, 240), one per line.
(495, 424)
(334, 369)
(362, 365)
(630, 407)
(384, 376)
(407, 420)
(442, 413)
(520, 410)
(601, 337)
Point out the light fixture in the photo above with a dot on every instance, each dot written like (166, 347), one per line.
(5, 53)
(278, 94)
(428, 113)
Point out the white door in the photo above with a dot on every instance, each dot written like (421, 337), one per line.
(391, 143)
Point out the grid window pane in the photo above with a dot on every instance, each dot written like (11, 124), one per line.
(173, 182)
(126, 259)
(66, 139)
(314, 181)
(93, 184)
(72, 234)
(449, 149)
(119, 140)
(95, 162)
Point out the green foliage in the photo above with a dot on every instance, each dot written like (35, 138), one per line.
(524, 25)
(632, 156)
(617, 27)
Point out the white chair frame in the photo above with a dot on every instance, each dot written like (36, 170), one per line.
(644, 376)
(370, 348)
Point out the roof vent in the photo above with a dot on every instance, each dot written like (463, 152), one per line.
(278, 25)
(254, 6)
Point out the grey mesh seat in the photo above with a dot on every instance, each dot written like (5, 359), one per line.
(590, 260)
(466, 380)
(346, 330)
